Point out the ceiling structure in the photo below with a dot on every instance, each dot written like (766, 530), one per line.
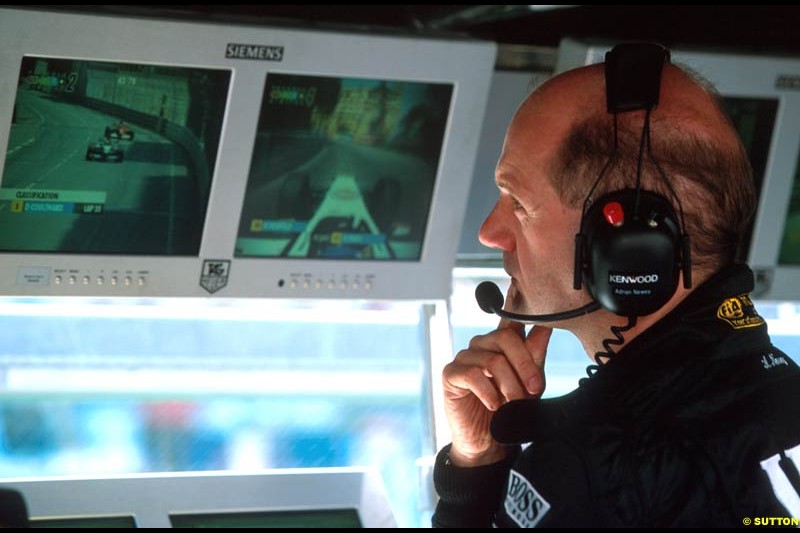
(753, 29)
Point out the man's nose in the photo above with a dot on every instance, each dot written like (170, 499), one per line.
(494, 231)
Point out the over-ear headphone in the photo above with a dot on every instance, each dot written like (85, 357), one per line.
(632, 245)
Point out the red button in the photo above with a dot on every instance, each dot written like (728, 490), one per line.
(614, 214)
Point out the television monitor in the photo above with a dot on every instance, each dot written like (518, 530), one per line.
(343, 168)
(310, 498)
(761, 96)
(108, 158)
(326, 518)
(153, 157)
(85, 522)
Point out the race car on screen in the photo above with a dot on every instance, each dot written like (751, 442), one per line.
(104, 150)
(120, 130)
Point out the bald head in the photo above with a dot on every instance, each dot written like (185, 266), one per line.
(692, 140)
(580, 94)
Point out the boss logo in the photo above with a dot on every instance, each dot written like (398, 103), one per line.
(523, 503)
(620, 279)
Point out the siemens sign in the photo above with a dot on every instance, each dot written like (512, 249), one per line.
(254, 51)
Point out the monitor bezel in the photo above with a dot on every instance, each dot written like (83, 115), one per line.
(466, 64)
(151, 498)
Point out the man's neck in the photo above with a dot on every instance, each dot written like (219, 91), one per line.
(596, 328)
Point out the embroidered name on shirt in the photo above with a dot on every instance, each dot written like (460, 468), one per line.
(523, 504)
(770, 361)
(739, 312)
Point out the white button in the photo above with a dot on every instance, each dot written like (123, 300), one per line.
(367, 285)
(140, 281)
(114, 280)
(86, 280)
(58, 280)
(72, 280)
(100, 280)
(127, 280)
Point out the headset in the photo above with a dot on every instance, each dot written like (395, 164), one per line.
(632, 245)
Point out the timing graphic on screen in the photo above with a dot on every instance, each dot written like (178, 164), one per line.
(110, 158)
(343, 168)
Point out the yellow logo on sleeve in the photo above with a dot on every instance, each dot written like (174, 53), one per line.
(739, 312)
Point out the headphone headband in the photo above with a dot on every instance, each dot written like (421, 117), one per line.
(631, 246)
(633, 76)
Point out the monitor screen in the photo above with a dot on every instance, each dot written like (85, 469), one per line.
(312, 518)
(99, 150)
(343, 168)
(84, 522)
(760, 94)
(754, 119)
(790, 243)
(151, 156)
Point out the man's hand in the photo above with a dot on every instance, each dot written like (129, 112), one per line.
(498, 367)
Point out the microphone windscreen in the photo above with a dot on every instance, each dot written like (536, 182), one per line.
(489, 297)
(13, 511)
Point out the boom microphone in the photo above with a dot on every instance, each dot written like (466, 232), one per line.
(490, 299)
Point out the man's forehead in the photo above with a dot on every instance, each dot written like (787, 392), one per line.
(528, 183)
(531, 146)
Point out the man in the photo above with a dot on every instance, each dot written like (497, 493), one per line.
(692, 417)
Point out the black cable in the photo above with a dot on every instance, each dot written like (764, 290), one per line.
(588, 200)
(666, 181)
(643, 141)
(608, 346)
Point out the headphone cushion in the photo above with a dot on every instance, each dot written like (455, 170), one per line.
(632, 267)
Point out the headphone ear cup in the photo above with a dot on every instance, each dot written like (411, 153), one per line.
(632, 252)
